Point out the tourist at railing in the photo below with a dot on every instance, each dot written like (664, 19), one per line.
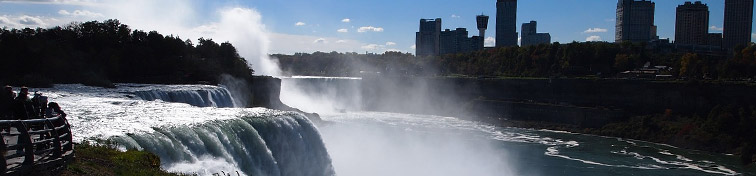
(6, 100)
(40, 104)
(23, 106)
(53, 110)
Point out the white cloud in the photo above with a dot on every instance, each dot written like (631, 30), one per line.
(455, 16)
(753, 36)
(490, 41)
(715, 28)
(595, 30)
(593, 38)
(372, 46)
(343, 30)
(413, 47)
(390, 43)
(66, 2)
(321, 41)
(81, 13)
(5, 21)
(300, 24)
(290, 44)
(26, 21)
(370, 29)
(31, 21)
(346, 20)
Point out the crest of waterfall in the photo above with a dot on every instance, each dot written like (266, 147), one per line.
(271, 144)
(211, 96)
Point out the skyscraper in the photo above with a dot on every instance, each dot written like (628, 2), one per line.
(531, 37)
(635, 21)
(428, 38)
(692, 24)
(455, 41)
(738, 21)
(506, 23)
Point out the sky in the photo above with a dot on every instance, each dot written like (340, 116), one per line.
(340, 25)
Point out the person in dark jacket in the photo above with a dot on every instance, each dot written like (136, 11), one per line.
(6, 101)
(53, 110)
(23, 108)
(40, 104)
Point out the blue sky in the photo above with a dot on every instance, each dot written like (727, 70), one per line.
(319, 25)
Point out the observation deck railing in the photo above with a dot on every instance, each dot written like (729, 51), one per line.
(36, 146)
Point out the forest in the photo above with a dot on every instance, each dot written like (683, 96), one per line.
(101, 53)
(575, 59)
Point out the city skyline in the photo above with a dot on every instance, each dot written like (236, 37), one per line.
(346, 26)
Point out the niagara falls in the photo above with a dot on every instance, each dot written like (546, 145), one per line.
(380, 88)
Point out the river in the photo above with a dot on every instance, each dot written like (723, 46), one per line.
(199, 129)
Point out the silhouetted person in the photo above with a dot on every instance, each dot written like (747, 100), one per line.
(53, 110)
(40, 104)
(6, 101)
(23, 107)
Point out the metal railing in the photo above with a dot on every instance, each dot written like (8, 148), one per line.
(28, 145)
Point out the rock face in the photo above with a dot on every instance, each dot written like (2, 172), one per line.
(584, 102)
(266, 92)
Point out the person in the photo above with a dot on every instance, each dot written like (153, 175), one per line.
(23, 107)
(6, 101)
(40, 104)
(53, 110)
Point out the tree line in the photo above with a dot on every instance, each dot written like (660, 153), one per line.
(99, 53)
(547, 60)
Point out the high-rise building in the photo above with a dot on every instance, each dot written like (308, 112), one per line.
(428, 39)
(531, 37)
(692, 24)
(715, 39)
(635, 21)
(455, 41)
(506, 23)
(738, 21)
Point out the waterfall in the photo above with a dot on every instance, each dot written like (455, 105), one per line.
(268, 144)
(203, 97)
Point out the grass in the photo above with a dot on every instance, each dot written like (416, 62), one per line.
(94, 159)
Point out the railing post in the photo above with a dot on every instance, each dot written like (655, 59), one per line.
(56, 139)
(69, 145)
(24, 139)
(3, 151)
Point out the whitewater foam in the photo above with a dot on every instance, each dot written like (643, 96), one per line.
(193, 139)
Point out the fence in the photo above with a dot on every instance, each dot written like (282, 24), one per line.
(35, 146)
